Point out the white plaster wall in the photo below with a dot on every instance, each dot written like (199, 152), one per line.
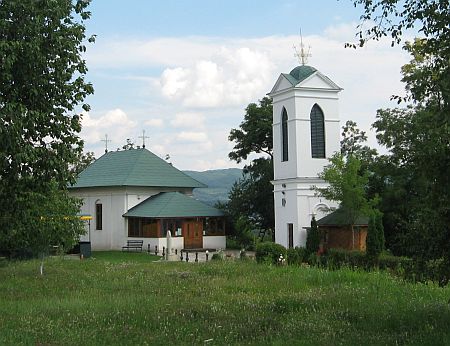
(301, 171)
(112, 235)
(115, 201)
(285, 214)
(301, 204)
(177, 243)
(214, 242)
(284, 169)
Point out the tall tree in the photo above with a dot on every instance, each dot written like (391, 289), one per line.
(252, 196)
(418, 136)
(347, 185)
(42, 89)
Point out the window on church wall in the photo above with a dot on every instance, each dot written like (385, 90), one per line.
(317, 133)
(213, 226)
(98, 216)
(284, 136)
(142, 227)
(172, 225)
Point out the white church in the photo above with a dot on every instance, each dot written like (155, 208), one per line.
(305, 134)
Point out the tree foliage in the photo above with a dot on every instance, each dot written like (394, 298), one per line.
(42, 87)
(252, 196)
(84, 160)
(347, 185)
(313, 237)
(375, 236)
(414, 176)
(255, 131)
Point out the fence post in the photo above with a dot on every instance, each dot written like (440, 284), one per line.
(164, 251)
(196, 257)
(187, 256)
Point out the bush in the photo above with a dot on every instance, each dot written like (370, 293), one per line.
(313, 238)
(218, 256)
(269, 252)
(338, 258)
(296, 256)
(233, 243)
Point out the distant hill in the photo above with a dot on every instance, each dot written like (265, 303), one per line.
(219, 182)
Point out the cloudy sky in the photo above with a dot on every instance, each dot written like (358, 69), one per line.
(184, 71)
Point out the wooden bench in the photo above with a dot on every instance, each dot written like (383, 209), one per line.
(135, 245)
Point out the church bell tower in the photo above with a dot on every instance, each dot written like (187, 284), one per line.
(305, 134)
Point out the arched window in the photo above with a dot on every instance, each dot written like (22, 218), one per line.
(98, 215)
(317, 133)
(284, 136)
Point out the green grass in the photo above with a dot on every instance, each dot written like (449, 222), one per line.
(118, 257)
(119, 299)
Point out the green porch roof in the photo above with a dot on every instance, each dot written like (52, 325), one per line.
(135, 167)
(340, 218)
(172, 204)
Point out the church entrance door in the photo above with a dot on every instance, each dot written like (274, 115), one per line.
(193, 234)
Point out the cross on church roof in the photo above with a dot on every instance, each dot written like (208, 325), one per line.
(106, 140)
(303, 54)
(143, 138)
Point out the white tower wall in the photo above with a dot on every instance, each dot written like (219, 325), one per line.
(294, 197)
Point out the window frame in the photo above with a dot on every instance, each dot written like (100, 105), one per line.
(98, 216)
(317, 127)
(284, 136)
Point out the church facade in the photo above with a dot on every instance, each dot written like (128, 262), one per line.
(135, 195)
(305, 134)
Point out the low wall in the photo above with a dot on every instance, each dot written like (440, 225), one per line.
(214, 242)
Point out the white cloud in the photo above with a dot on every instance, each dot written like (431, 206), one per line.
(225, 74)
(115, 123)
(189, 120)
(155, 122)
(192, 136)
(232, 77)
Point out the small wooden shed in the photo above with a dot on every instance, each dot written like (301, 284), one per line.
(336, 231)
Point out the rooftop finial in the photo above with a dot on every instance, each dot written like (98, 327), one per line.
(304, 53)
(106, 140)
(143, 138)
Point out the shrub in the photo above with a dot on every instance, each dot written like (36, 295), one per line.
(338, 258)
(296, 256)
(375, 237)
(233, 243)
(269, 252)
(313, 237)
(218, 256)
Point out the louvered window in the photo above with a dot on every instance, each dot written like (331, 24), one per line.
(317, 133)
(284, 136)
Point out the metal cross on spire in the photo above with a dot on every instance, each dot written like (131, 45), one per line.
(106, 140)
(143, 138)
(303, 54)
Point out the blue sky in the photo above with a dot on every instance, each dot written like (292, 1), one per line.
(184, 71)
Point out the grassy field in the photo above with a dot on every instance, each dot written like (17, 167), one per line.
(118, 299)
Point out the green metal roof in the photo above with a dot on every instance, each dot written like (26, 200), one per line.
(172, 204)
(134, 167)
(340, 218)
(300, 73)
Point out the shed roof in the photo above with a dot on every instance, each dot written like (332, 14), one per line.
(340, 218)
(135, 167)
(172, 204)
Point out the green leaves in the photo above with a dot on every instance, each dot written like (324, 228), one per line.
(348, 184)
(41, 86)
(255, 132)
